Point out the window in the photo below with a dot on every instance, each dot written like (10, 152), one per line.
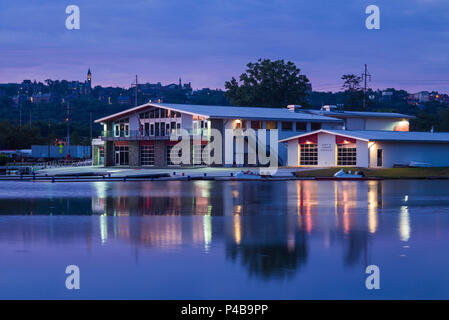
(256, 125)
(122, 128)
(147, 155)
(152, 129)
(287, 126)
(157, 129)
(147, 129)
(163, 113)
(316, 126)
(121, 155)
(308, 155)
(162, 128)
(270, 125)
(152, 114)
(301, 126)
(169, 159)
(347, 154)
(379, 158)
(197, 154)
(101, 156)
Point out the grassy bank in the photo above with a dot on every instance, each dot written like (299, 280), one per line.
(390, 173)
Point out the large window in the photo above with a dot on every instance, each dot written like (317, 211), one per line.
(169, 159)
(147, 155)
(315, 126)
(122, 128)
(256, 125)
(308, 155)
(121, 155)
(301, 126)
(198, 158)
(347, 154)
(270, 125)
(287, 126)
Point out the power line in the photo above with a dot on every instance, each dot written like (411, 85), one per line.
(365, 77)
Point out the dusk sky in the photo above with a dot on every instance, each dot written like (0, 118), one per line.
(206, 42)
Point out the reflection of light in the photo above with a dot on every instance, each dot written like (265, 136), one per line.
(404, 224)
(207, 230)
(298, 198)
(372, 210)
(103, 228)
(100, 188)
(370, 144)
(406, 198)
(237, 209)
(235, 193)
(237, 229)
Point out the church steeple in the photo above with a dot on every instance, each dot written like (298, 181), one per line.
(89, 78)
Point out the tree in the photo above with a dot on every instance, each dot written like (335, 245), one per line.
(268, 83)
(353, 90)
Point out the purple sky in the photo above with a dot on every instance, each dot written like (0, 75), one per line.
(207, 42)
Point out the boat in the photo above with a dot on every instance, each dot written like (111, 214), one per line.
(341, 175)
(252, 176)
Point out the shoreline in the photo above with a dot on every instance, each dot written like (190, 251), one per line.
(116, 174)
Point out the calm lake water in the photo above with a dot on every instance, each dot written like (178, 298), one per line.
(225, 240)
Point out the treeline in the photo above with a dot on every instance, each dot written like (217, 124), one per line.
(12, 136)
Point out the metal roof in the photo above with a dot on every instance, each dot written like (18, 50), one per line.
(375, 135)
(227, 112)
(359, 114)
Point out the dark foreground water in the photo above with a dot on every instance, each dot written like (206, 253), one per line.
(225, 240)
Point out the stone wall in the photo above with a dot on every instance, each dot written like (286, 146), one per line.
(134, 153)
(159, 154)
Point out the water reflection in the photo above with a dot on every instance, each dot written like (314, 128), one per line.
(266, 228)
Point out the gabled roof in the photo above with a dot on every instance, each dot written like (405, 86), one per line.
(227, 112)
(359, 114)
(385, 136)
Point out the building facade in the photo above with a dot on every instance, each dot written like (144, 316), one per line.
(140, 136)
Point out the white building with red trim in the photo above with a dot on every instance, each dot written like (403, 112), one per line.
(367, 148)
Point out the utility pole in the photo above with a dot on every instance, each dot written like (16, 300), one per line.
(90, 117)
(68, 131)
(135, 84)
(20, 115)
(365, 77)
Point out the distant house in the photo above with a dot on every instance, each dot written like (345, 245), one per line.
(42, 97)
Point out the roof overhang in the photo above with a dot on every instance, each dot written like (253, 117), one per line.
(324, 131)
(142, 108)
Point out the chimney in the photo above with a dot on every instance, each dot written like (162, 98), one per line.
(294, 107)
